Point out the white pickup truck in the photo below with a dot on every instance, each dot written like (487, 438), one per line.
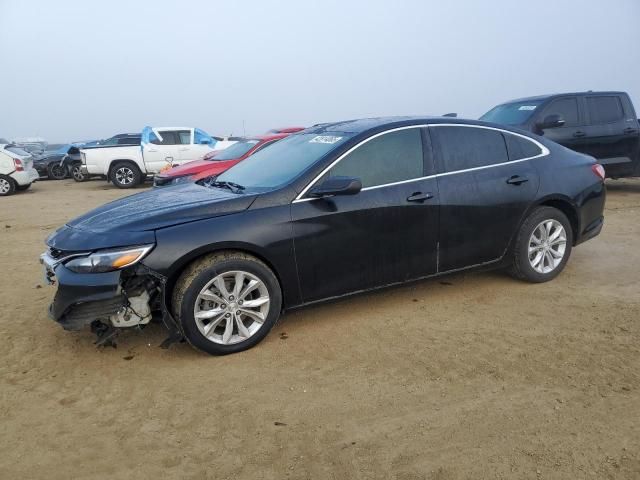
(128, 165)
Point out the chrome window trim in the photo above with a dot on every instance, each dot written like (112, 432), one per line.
(544, 150)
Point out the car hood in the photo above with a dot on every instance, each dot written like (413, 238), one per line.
(199, 166)
(133, 219)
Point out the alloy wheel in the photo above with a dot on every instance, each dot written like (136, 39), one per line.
(5, 186)
(77, 173)
(547, 246)
(124, 176)
(232, 307)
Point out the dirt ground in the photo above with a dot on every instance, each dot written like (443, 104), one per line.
(469, 376)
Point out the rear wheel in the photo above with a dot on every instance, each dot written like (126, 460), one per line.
(55, 171)
(125, 175)
(227, 302)
(7, 186)
(543, 246)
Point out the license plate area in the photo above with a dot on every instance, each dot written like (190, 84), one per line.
(48, 269)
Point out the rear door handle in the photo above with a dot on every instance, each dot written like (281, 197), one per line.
(517, 180)
(579, 134)
(630, 131)
(419, 197)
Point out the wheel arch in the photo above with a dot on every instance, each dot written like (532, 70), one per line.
(113, 163)
(240, 247)
(566, 206)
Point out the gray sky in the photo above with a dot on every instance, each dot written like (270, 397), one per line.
(74, 70)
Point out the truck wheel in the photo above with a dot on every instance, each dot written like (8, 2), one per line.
(543, 246)
(7, 186)
(55, 171)
(76, 173)
(125, 175)
(226, 302)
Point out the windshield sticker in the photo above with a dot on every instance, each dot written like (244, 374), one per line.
(325, 139)
(527, 107)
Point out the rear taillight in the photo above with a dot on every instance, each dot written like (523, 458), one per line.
(598, 170)
(18, 164)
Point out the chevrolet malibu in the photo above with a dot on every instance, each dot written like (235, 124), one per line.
(330, 211)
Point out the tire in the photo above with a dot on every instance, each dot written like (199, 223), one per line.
(551, 251)
(187, 299)
(7, 186)
(76, 173)
(22, 188)
(55, 171)
(125, 175)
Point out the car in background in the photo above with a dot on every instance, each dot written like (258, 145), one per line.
(57, 161)
(216, 162)
(600, 124)
(285, 130)
(16, 169)
(127, 165)
(119, 139)
(332, 211)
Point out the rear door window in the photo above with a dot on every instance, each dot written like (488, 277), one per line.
(391, 157)
(184, 137)
(520, 147)
(567, 108)
(461, 148)
(604, 109)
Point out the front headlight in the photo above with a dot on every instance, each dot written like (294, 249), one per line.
(108, 260)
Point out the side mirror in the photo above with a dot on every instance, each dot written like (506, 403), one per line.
(205, 141)
(336, 186)
(551, 121)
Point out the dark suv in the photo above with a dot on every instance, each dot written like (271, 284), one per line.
(601, 124)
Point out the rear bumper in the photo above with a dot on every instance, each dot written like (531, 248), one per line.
(26, 177)
(591, 231)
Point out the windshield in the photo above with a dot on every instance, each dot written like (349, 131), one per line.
(512, 113)
(235, 151)
(283, 161)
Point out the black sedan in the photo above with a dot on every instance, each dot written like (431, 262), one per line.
(331, 211)
(57, 161)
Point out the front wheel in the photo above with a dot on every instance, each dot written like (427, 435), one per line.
(77, 174)
(125, 175)
(7, 186)
(543, 246)
(226, 302)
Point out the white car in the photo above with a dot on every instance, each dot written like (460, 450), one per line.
(161, 147)
(16, 169)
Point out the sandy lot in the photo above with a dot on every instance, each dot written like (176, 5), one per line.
(470, 376)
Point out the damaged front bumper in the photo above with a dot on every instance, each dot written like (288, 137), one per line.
(120, 298)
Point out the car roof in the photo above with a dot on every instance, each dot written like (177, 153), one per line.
(553, 95)
(364, 124)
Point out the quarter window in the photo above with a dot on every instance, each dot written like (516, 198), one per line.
(392, 157)
(461, 148)
(520, 147)
(604, 109)
(567, 108)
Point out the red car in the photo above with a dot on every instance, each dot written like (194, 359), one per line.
(216, 162)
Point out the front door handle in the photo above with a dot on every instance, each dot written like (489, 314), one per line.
(419, 197)
(517, 180)
(630, 131)
(579, 134)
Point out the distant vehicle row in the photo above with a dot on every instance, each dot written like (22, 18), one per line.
(601, 124)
